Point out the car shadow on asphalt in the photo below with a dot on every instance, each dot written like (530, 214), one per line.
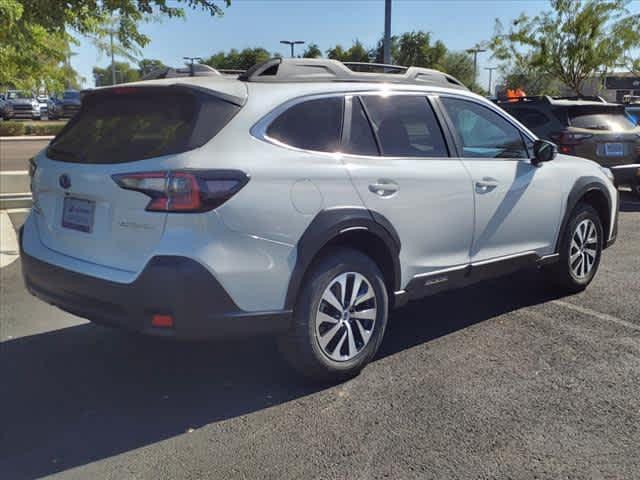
(84, 393)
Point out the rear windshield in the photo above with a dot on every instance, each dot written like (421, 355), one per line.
(151, 122)
(598, 118)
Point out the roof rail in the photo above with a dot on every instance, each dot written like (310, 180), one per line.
(590, 98)
(281, 70)
(195, 70)
(530, 98)
(368, 67)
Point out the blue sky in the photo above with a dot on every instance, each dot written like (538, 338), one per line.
(460, 24)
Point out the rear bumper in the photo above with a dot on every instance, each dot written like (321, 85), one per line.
(169, 285)
(626, 174)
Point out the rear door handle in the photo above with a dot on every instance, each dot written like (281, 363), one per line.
(384, 188)
(486, 185)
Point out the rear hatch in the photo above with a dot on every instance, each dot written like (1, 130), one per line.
(84, 213)
(607, 134)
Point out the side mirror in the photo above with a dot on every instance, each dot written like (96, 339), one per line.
(543, 151)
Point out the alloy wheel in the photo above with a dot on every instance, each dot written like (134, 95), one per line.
(583, 249)
(346, 316)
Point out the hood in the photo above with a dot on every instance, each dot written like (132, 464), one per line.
(22, 101)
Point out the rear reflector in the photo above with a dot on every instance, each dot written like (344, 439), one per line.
(184, 191)
(162, 321)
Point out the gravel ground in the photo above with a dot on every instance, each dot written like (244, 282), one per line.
(501, 380)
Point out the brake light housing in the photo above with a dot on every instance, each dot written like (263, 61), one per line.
(184, 191)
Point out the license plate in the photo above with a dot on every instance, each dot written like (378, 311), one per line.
(77, 214)
(614, 149)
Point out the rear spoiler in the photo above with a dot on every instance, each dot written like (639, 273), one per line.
(131, 89)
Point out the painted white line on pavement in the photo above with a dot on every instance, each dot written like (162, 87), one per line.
(9, 250)
(14, 172)
(596, 314)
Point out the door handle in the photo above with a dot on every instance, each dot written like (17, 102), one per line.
(486, 185)
(384, 188)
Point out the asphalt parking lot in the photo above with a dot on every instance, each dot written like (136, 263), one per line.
(502, 380)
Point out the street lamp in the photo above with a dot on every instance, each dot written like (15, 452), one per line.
(491, 69)
(292, 43)
(386, 47)
(475, 51)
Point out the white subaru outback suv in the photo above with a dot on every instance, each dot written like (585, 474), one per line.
(303, 199)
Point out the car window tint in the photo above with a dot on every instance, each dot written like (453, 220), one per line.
(406, 126)
(600, 118)
(482, 132)
(361, 140)
(311, 125)
(530, 118)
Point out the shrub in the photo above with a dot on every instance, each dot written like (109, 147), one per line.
(11, 129)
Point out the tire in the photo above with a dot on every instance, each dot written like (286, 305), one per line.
(635, 186)
(353, 340)
(571, 273)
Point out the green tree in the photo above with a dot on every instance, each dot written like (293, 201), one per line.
(377, 53)
(241, 60)
(312, 51)
(30, 55)
(356, 53)
(35, 34)
(459, 65)
(572, 41)
(125, 73)
(415, 49)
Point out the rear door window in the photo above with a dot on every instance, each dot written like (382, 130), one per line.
(310, 125)
(482, 132)
(599, 118)
(405, 126)
(139, 124)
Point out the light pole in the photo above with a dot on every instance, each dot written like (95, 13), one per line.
(491, 69)
(191, 60)
(386, 49)
(292, 44)
(475, 51)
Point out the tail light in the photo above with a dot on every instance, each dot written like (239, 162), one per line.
(185, 191)
(566, 141)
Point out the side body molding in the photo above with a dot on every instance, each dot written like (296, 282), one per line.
(329, 224)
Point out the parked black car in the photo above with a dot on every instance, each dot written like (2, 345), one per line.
(6, 110)
(588, 127)
(64, 107)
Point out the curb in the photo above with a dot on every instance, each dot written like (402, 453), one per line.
(26, 138)
(9, 249)
(15, 200)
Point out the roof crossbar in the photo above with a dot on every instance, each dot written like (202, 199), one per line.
(281, 70)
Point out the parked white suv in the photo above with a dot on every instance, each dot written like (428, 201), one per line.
(303, 199)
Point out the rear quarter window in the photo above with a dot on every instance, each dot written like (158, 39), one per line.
(310, 125)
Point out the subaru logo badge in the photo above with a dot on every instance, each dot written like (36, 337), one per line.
(65, 181)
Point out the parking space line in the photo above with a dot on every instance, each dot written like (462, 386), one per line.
(598, 315)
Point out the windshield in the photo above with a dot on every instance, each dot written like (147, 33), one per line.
(600, 118)
(13, 95)
(71, 95)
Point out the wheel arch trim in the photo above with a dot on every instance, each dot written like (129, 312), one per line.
(582, 187)
(332, 223)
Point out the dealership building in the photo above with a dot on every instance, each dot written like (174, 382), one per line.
(614, 87)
